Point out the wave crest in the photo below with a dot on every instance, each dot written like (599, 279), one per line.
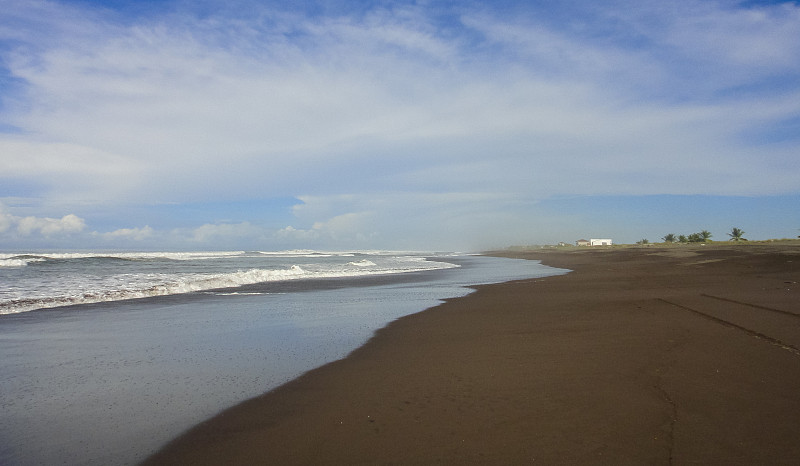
(19, 261)
(362, 263)
(92, 279)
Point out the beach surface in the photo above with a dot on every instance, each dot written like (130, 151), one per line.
(678, 355)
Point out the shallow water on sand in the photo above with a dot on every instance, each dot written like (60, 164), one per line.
(109, 383)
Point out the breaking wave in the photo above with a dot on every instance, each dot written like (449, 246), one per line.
(19, 261)
(363, 263)
(65, 279)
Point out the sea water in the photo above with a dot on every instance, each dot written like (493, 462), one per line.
(104, 357)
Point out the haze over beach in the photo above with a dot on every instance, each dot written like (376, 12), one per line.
(339, 125)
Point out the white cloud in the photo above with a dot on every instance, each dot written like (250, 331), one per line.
(168, 104)
(136, 234)
(712, 48)
(291, 233)
(362, 115)
(209, 233)
(72, 172)
(355, 227)
(762, 39)
(43, 226)
(49, 226)
(6, 219)
(328, 228)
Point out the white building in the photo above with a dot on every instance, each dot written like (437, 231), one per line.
(599, 242)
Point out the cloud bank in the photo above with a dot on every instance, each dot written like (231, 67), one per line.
(389, 122)
(41, 226)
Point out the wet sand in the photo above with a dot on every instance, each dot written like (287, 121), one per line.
(681, 355)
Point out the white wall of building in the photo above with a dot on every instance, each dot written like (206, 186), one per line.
(600, 242)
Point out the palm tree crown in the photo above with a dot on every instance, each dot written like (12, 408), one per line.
(737, 234)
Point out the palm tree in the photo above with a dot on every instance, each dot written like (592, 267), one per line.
(705, 235)
(669, 238)
(736, 234)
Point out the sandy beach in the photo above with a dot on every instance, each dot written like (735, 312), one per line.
(679, 355)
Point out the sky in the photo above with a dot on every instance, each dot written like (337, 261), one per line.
(403, 125)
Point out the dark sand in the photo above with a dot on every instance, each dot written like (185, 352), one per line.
(681, 355)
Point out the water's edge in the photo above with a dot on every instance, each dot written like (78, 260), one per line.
(158, 366)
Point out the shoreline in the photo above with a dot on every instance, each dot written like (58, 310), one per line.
(638, 355)
(112, 383)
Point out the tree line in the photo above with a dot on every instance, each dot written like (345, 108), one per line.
(736, 234)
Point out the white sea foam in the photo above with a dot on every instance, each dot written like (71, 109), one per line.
(66, 279)
(19, 261)
(297, 253)
(123, 286)
(182, 256)
(363, 263)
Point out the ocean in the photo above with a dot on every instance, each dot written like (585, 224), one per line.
(104, 357)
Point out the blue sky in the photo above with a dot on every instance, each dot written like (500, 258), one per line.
(176, 124)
